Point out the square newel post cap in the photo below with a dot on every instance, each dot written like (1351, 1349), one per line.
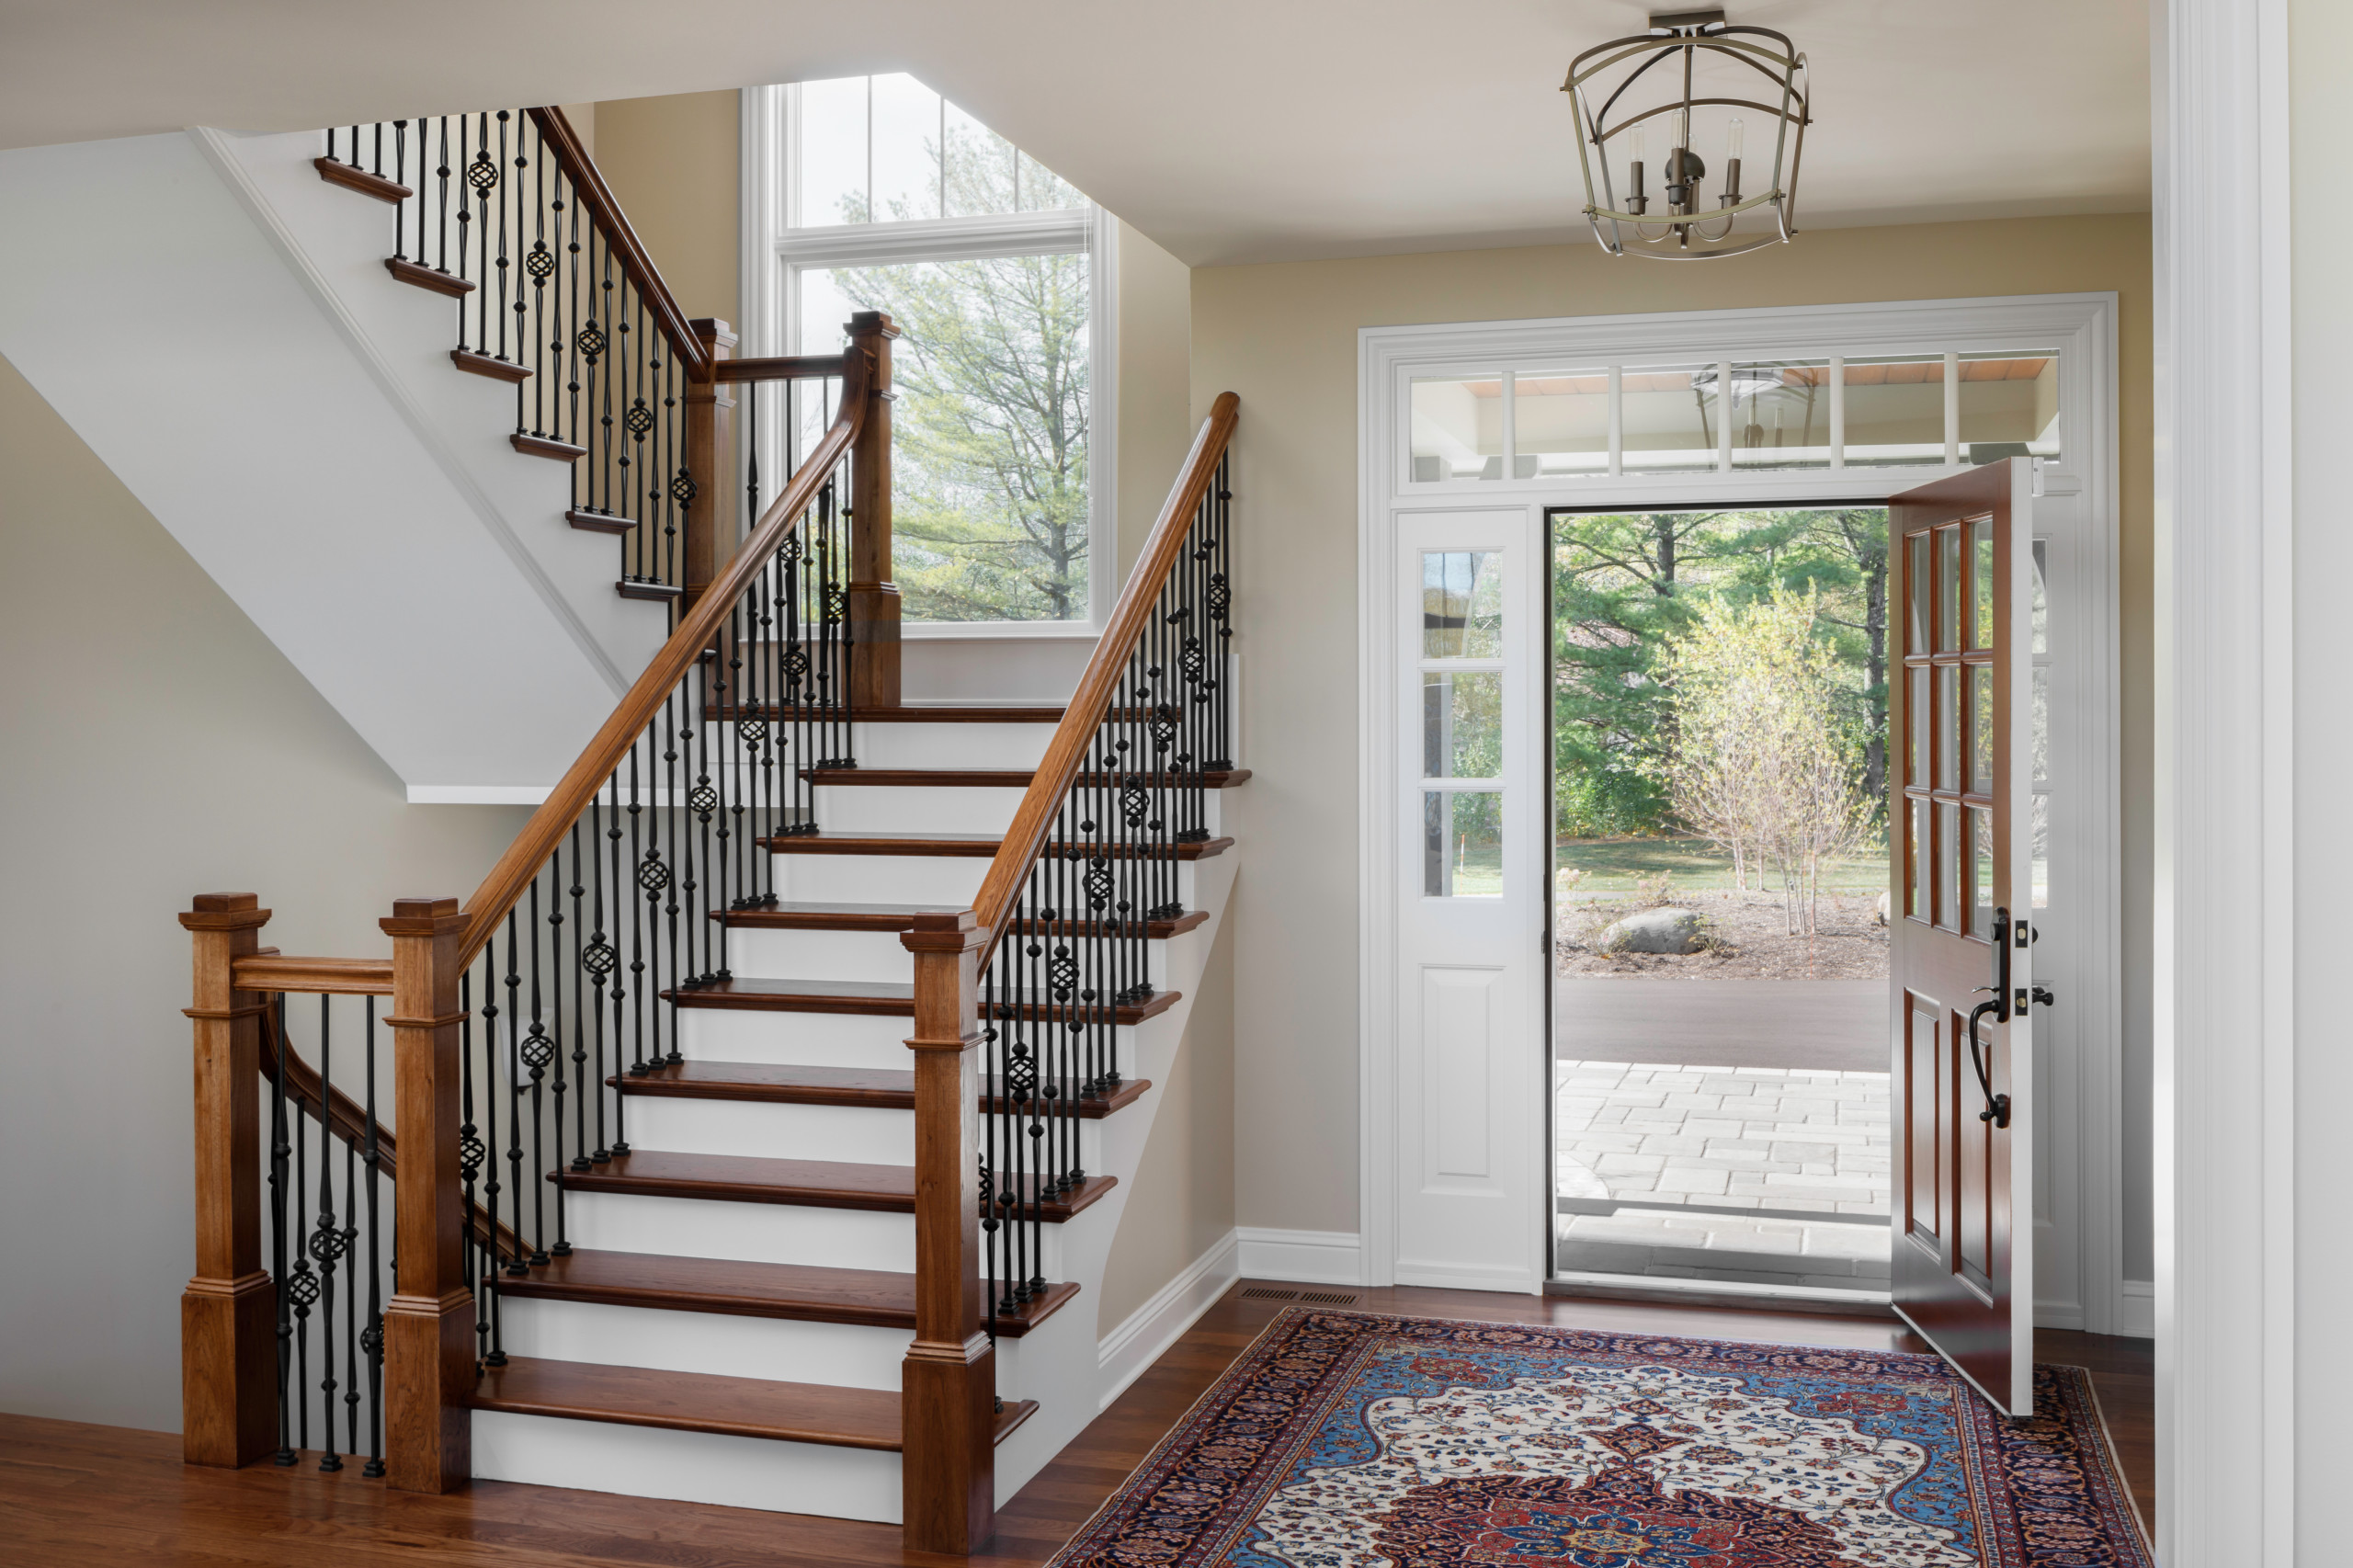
(943, 933)
(423, 918)
(871, 324)
(712, 330)
(224, 912)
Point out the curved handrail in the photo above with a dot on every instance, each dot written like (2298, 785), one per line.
(1066, 753)
(597, 196)
(697, 629)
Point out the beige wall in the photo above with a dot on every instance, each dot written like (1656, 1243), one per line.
(156, 745)
(671, 164)
(1182, 1204)
(1284, 336)
(1156, 345)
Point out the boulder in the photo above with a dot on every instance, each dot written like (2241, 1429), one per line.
(1663, 930)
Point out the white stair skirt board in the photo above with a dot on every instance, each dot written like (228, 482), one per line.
(915, 745)
(1153, 1328)
(691, 1467)
(782, 1350)
(358, 526)
(1307, 1257)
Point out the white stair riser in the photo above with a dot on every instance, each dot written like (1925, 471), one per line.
(693, 1466)
(766, 1130)
(843, 1355)
(886, 807)
(952, 746)
(749, 1232)
(765, 954)
(801, 1039)
(900, 879)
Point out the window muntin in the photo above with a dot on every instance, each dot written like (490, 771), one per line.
(994, 517)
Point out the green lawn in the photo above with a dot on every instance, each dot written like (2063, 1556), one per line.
(1614, 866)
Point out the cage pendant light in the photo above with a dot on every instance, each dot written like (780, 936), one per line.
(1626, 96)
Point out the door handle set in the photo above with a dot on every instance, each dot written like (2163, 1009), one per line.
(2007, 1003)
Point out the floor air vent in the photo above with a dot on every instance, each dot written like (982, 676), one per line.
(1328, 1297)
(1260, 1294)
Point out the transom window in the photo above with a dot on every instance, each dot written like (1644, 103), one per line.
(894, 199)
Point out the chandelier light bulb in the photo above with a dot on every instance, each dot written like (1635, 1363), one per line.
(1732, 138)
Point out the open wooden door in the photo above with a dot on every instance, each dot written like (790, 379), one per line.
(1962, 1258)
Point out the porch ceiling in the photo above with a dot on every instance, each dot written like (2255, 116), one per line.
(1229, 130)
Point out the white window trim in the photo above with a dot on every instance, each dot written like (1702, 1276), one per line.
(2075, 511)
(769, 251)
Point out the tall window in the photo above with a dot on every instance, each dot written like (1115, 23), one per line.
(894, 199)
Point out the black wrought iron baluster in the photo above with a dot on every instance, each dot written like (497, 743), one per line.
(378, 166)
(601, 360)
(623, 381)
(602, 957)
(675, 763)
(482, 177)
(371, 1338)
(641, 915)
(326, 1237)
(482, 1237)
(684, 489)
(354, 1336)
(281, 1181)
(506, 278)
(304, 1285)
(399, 177)
(704, 855)
(526, 1247)
(540, 267)
(538, 1052)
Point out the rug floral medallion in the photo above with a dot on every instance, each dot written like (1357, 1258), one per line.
(1356, 1440)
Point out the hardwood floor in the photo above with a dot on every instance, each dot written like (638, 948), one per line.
(80, 1494)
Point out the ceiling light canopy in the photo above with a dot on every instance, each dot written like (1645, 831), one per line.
(1676, 87)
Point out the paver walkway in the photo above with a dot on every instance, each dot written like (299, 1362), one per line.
(1768, 1174)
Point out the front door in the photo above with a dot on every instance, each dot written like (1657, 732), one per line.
(1963, 1263)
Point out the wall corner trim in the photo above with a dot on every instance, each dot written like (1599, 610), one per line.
(1305, 1258)
(1151, 1329)
(2136, 1310)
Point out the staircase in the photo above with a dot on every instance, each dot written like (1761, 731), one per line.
(759, 1127)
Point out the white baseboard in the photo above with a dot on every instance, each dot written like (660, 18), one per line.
(2136, 1310)
(1151, 1328)
(1308, 1257)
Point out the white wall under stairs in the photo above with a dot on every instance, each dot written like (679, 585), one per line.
(217, 323)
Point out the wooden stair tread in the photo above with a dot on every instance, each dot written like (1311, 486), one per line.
(879, 1088)
(917, 713)
(937, 846)
(483, 365)
(638, 588)
(973, 777)
(875, 999)
(891, 917)
(598, 522)
(334, 171)
(424, 277)
(872, 1298)
(546, 447)
(809, 1184)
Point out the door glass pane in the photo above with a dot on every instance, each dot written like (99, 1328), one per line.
(1462, 604)
(1981, 730)
(1668, 416)
(2041, 615)
(1948, 859)
(1781, 414)
(1457, 428)
(1561, 423)
(2041, 720)
(1895, 411)
(1916, 903)
(1981, 583)
(1947, 589)
(1462, 844)
(1917, 716)
(2009, 406)
(1949, 722)
(1462, 723)
(1981, 871)
(2040, 850)
(1915, 627)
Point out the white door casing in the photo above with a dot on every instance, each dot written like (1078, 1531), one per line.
(2078, 1202)
(1467, 986)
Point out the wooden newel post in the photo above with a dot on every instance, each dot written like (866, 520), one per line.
(229, 1312)
(873, 597)
(430, 1323)
(709, 409)
(949, 1383)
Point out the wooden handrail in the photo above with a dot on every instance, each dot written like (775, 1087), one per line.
(271, 970)
(597, 196)
(1066, 753)
(697, 628)
(783, 367)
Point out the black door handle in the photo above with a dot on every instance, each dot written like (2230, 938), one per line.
(1997, 1107)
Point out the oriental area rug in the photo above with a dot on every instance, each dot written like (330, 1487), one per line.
(1356, 1440)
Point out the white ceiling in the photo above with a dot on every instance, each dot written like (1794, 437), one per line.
(1229, 130)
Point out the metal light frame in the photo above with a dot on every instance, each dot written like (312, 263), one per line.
(1684, 235)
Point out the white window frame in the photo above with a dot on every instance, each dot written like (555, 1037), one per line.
(771, 252)
(2079, 1217)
